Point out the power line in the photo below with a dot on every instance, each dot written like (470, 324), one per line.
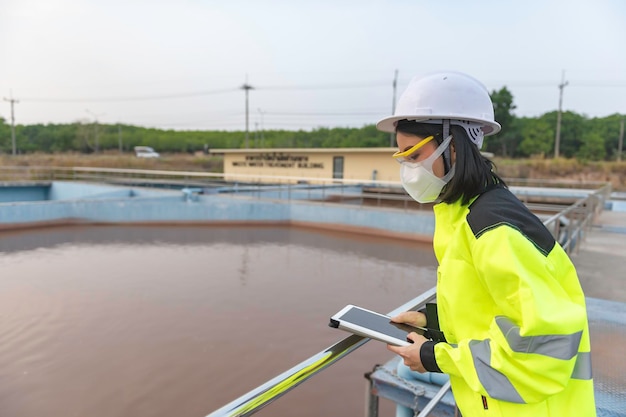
(193, 94)
(135, 98)
(271, 113)
(325, 86)
(512, 84)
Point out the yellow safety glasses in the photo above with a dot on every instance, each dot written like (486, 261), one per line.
(405, 156)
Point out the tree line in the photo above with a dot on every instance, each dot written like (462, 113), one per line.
(581, 137)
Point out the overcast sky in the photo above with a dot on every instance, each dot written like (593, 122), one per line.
(180, 64)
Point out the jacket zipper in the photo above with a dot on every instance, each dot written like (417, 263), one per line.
(485, 406)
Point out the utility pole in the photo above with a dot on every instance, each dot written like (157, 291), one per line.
(95, 117)
(557, 140)
(247, 87)
(13, 102)
(392, 136)
(621, 140)
(119, 137)
(256, 134)
(261, 112)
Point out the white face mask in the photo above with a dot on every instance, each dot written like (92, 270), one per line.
(419, 180)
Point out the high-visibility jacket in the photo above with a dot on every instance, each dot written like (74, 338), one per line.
(512, 311)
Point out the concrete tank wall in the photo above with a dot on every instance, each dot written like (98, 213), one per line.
(109, 204)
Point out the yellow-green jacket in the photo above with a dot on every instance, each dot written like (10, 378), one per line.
(512, 311)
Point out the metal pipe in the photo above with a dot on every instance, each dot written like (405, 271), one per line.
(435, 400)
(273, 389)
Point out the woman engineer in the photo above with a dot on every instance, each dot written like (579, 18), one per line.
(509, 303)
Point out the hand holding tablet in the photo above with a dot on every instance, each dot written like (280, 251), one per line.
(374, 325)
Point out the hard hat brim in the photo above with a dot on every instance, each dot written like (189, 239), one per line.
(388, 124)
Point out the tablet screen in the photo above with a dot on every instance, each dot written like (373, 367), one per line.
(379, 323)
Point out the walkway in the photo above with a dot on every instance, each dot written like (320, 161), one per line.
(601, 259)
(601, 265)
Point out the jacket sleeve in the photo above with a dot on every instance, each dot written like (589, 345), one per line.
(539, 317)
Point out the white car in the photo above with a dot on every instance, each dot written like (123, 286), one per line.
(145, 152)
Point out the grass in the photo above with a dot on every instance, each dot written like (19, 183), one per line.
(565, 169)
(173, 162)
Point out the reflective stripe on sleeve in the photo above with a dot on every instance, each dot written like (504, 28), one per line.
(582, 369)
(495, 382)
(555, 346)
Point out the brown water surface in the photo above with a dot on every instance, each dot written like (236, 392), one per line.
(178, 321)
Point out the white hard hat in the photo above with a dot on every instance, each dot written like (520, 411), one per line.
(445, 95)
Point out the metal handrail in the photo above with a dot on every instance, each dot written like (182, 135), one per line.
(112, 173)
(577, 218)
(428, 408)
(50, 173)
(536, 182)
(261, 396)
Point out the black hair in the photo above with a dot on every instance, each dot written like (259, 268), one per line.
(474, 173)
(422, 130)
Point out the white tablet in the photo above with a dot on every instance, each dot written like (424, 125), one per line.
(374, 325)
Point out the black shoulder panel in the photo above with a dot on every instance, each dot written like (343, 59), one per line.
(499, 207)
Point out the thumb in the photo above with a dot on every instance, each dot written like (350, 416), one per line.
(413, 337)
(400, 318)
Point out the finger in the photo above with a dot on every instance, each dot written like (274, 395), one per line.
(414, 318)
(417, 368)
(401, 318)
(394, 349)
(413, 336)
(396, 319)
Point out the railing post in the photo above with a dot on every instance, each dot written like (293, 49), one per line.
(435, 400)
(371, 405)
